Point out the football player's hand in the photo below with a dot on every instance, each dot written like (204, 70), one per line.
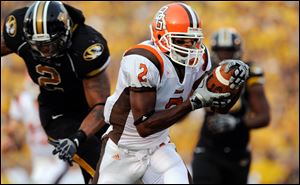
(66, 149)
(240, 74)
(202, 97)
(221, 123)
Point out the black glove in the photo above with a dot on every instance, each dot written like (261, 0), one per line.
(67, 148)
(221, 123)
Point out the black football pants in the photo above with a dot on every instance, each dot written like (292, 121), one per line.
(211, 167)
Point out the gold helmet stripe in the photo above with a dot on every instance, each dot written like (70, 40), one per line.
(224, 38)
(39, 18)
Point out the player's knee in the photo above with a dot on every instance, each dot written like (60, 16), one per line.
(177, 174)
(165, 158)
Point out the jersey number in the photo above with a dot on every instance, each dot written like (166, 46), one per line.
(174, 101)
(142, 74)
(53, 80)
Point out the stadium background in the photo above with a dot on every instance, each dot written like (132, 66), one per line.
(270, 31)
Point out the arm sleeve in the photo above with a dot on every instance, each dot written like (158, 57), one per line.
(91, 53)
(13, 29)
(256, 75)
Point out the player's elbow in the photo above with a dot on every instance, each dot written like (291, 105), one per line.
(267, 116)
(266, 120)
(143, 131)
(144, 134)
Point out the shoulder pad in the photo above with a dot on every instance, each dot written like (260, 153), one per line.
(87, 43)
(256, 75)
(13, 29)
(75, 14)
(90, 51)
(254, 69)
(150, 53)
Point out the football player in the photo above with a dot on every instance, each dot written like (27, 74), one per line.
(222, 154)
(67, 59)
(153, 91)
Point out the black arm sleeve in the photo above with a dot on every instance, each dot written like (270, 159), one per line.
(13, 29)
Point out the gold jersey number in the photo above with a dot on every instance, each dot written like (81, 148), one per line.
(48, 83)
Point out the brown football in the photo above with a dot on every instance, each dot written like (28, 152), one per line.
(218, 82)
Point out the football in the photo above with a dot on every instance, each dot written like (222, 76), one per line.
(218, 82)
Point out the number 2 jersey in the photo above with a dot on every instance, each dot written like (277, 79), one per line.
(60, 79)
(145, 66)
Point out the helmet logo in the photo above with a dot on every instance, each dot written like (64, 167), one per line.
(160, 18)
(63, 17)
(11, 26)
(93, 52)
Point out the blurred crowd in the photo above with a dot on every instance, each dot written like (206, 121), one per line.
(270, 31)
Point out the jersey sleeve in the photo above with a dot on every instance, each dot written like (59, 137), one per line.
(256, 75)
(13, 29)
(139, 72)
(90, 51)
(75, 14)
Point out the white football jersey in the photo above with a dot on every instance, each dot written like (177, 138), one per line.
(146, 66)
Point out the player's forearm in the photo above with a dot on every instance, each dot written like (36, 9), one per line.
(93, 122)
(259, 106)
(257, 120)
(163, 119)
(97, 89)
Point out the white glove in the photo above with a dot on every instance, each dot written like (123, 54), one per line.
(220, 123)
(202, 97)
(240, 74)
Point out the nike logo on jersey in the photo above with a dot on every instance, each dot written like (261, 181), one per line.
(57, 116)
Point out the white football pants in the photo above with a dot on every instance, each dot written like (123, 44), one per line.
(161, 165)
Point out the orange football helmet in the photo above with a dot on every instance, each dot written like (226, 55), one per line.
(178, 20)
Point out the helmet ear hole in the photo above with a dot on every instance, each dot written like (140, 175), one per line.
(158, 36)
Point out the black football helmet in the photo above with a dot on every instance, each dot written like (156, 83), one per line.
(226, 43)
(47, 29)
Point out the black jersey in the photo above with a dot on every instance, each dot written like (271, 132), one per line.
(60, 79)
(237, 139)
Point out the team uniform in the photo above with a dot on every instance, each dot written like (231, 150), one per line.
(128, 157)
(62, 103)
(225, 157)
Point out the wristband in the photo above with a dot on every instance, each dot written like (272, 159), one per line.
(78, 137)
